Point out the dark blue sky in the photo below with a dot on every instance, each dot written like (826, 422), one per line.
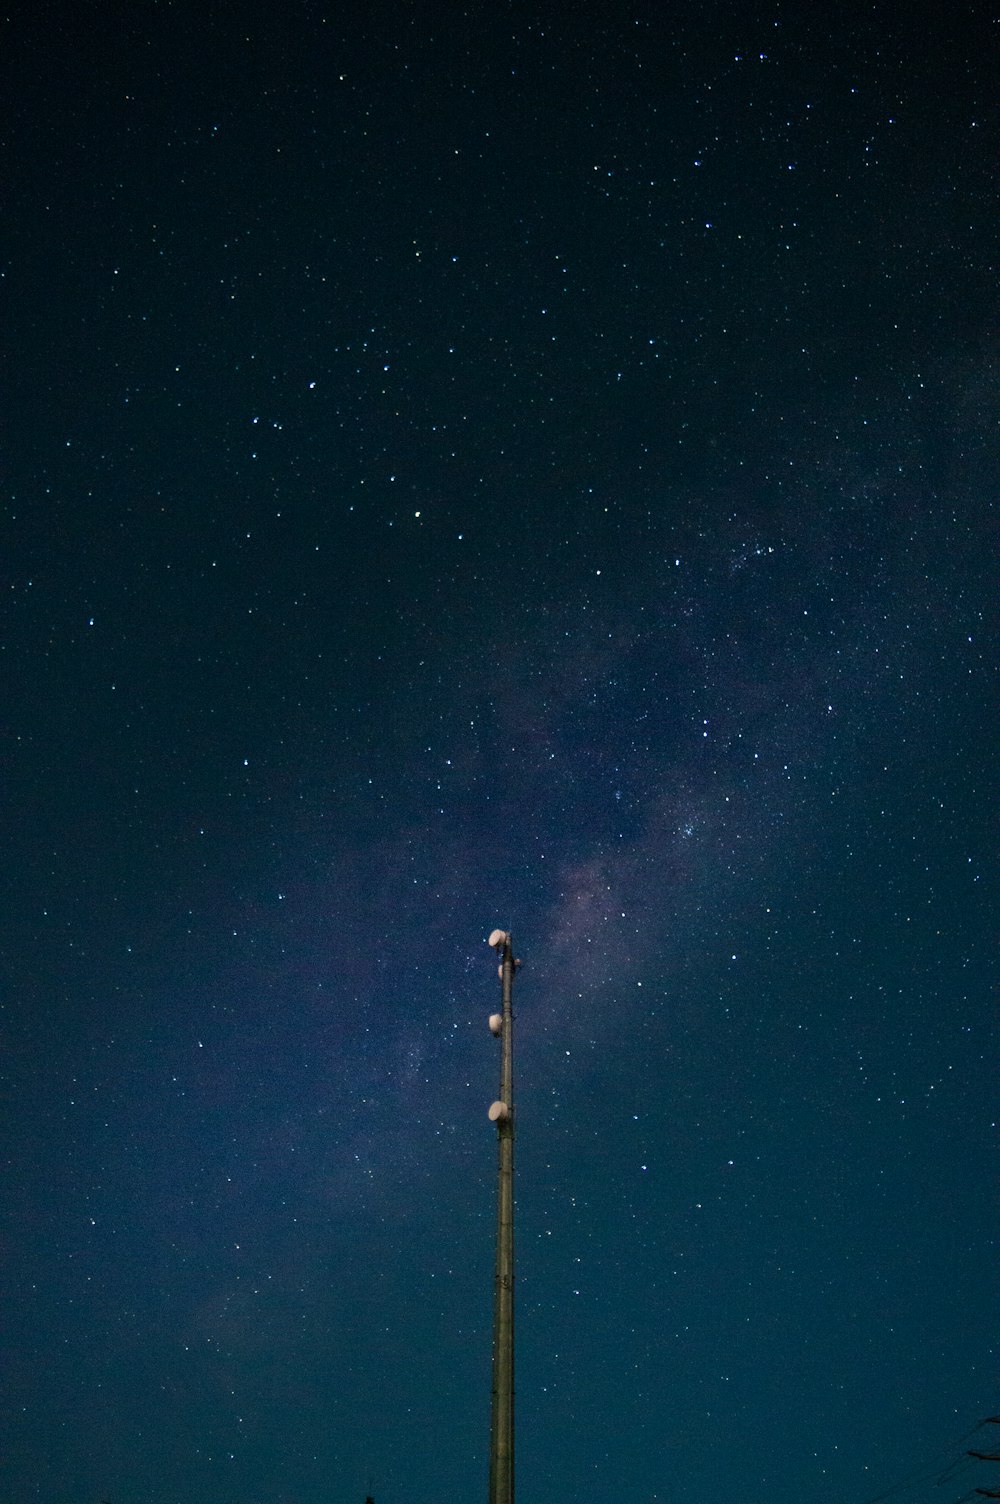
(526, 466)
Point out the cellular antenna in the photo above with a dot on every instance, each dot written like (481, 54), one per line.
(502, 1113)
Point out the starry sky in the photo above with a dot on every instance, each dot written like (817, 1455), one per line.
(475, 465)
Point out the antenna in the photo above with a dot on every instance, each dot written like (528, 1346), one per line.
(502, 1113)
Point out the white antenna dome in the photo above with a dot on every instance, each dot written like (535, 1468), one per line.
(498, 937)
(499, 1112)
(496, 1023)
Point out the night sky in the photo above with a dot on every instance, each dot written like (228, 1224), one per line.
(498, 465)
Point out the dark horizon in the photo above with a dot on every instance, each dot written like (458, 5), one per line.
(526, 466)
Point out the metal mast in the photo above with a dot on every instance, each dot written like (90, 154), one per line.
(502, 1113)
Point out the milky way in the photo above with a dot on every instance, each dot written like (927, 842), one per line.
(520, 468)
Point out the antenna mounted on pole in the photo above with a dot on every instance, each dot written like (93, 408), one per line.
(502, 1113)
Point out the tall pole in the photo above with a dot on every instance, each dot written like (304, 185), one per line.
(502, 1113)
